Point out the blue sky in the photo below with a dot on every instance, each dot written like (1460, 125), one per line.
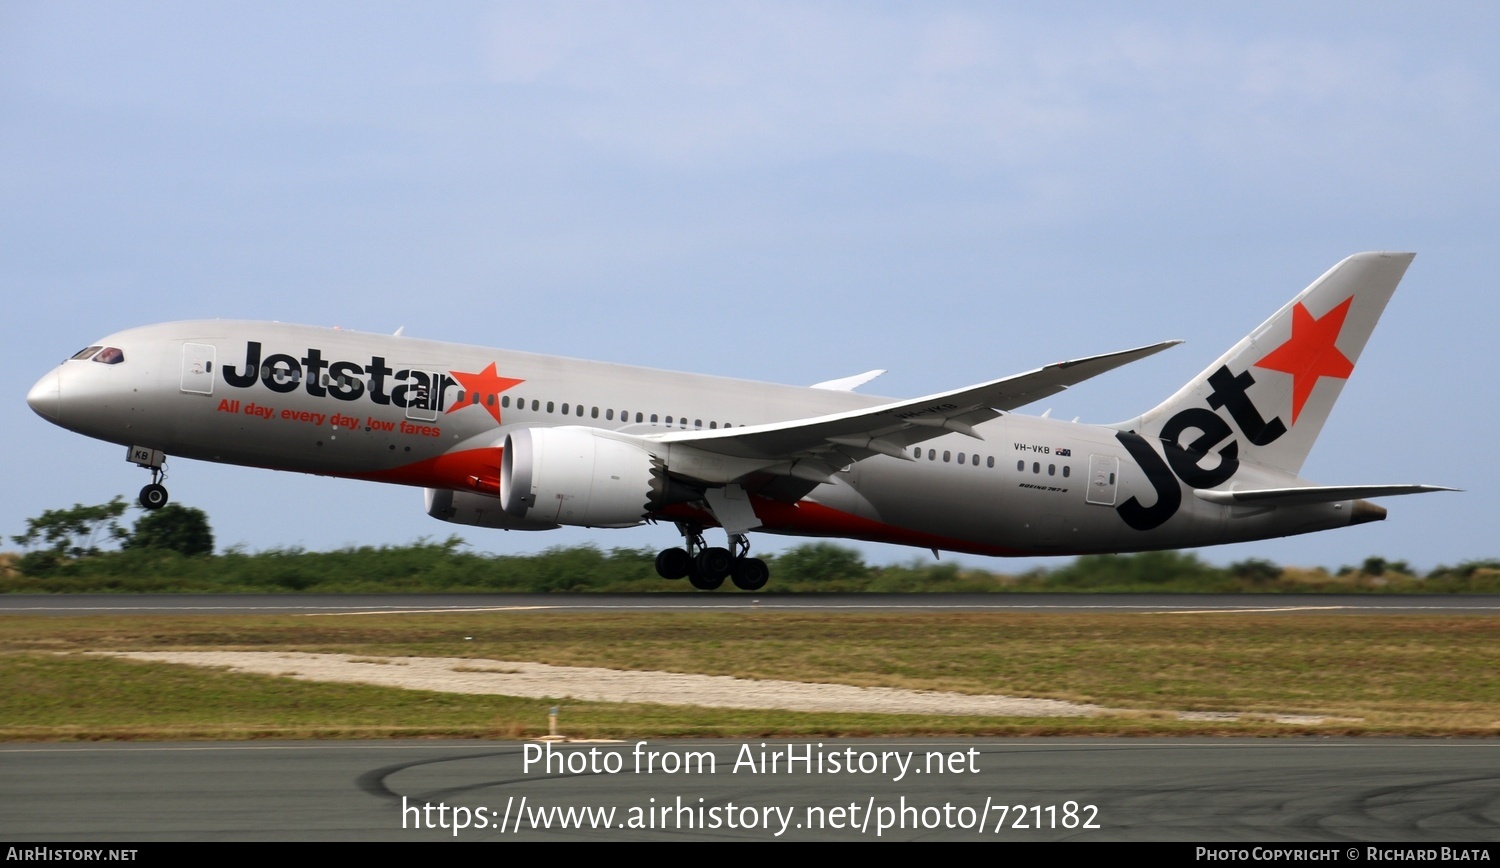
(779, 191)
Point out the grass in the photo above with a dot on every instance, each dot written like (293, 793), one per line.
(427, 567)
(1384, 675)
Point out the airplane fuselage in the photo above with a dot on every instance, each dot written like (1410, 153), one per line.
(436, 416)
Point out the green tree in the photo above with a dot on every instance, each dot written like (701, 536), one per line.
(820, 563)
(75, 532)
(182, 529)
(1256, 571)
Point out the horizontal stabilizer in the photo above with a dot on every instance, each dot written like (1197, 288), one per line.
(1310, 494)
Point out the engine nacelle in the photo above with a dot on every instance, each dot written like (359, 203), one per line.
(579, 476)
(479, 510)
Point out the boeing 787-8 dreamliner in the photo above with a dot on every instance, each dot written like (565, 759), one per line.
(513, 440)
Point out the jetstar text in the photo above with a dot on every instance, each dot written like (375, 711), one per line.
(344, 380)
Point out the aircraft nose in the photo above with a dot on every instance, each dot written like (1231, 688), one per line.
(46, 396)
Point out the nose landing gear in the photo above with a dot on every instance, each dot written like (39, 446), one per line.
(154, 495)
(707, 567)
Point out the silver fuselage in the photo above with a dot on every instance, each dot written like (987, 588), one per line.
(435, 415)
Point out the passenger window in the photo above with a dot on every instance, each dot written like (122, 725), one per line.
(991, 462)
(1021, 466)
(505, 400)
(564, 408)
(549, 406)
(267, 372)
(653, 418)
(946, 456)
(536, 405)
(638, 417)
(593, 412)
(1036, 467)
(1066, 468)
(578, 411)
(669, 419)
(609, 415)
(960, 458)
(1051, 469)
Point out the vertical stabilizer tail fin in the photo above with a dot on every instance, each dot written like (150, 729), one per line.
(1276, 387)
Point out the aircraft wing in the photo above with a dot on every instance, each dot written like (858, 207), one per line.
(889, 428)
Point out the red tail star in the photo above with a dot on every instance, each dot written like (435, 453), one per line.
(1310, 352)
(483, 388)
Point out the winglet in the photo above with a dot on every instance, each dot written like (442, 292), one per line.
(848, 384)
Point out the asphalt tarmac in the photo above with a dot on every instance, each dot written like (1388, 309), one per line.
(1263, 791)
(1335, 791)
(293, 604)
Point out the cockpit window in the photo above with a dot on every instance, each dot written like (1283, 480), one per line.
(84, 353)
(110, 356)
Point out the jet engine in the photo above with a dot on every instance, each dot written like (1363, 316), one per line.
(479, 510)
(580, 476)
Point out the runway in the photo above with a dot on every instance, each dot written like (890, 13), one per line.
(355, 604)
(1261, 791)
(1334, 791)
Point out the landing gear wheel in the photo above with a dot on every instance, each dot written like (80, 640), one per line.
(749, 574)
(673, 563)
(714, 563)
(704, 582)
(154, 496)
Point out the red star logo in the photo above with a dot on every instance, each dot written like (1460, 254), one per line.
(1310, 352)
(483, 389)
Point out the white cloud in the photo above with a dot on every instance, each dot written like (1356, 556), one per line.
(728, 85)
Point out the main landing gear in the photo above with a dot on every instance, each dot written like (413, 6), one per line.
(707, 567)
(154, 495)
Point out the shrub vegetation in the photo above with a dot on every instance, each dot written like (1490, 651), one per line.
(172, 550)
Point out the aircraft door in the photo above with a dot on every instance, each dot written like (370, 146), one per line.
(198, 368)
(1104, 476)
